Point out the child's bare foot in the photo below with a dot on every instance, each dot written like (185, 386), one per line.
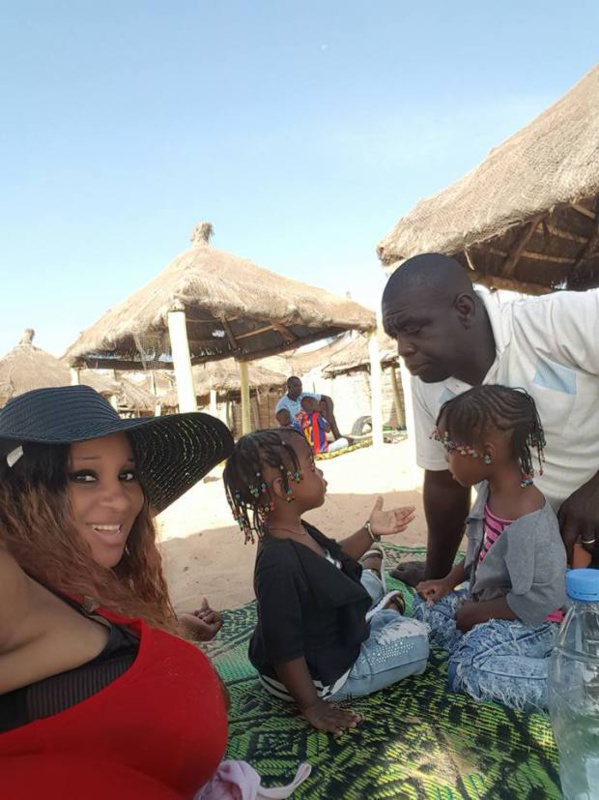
(328, 717)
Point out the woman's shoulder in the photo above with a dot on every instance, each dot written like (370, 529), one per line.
(14, 599)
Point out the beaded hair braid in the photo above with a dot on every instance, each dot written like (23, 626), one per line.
(469, 416)
(249, 495)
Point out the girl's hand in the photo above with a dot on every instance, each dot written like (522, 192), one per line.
(204, 623)
(385, 523)
(433, 591)
(328, 717)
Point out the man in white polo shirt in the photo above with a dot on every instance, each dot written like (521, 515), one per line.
(453, 337)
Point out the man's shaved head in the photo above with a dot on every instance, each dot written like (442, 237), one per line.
(431, 309)
(429, 273)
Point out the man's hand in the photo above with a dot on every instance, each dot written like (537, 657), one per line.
(385, 523)
(579, 517)
(328, 717)
(433, 591)
(203, 624)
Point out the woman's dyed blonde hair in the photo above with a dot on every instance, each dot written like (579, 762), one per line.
(37, 528)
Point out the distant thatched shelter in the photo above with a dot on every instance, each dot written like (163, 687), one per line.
(232, 308)
(218, 389)
(355, 355)
(209, 305)
(527, 218)
(349, 371)
(28, 367)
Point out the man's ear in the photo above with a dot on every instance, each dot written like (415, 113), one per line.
(278, 489)
(465, 306)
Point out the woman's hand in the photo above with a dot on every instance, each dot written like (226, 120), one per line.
(328, 717)
(202, 624)
(385, 523)
(433, 591)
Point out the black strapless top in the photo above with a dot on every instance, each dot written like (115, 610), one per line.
(59, 692)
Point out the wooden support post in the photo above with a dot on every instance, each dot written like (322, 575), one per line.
(375, 391)
(177, 331)
(397, 398)
(246, 420)
(213, 403)
(75, 381)
(157, 405)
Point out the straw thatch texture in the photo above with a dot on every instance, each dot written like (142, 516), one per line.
(301, 362)
(134, 399)
(527, 218)
(233, 308)
(356, 355)
(103, 384)
(223, 377)
(27, 367)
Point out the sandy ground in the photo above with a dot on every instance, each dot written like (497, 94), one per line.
(203, 550)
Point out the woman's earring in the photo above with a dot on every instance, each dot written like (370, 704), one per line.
(487, 458)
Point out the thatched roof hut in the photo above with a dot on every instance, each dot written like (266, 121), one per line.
(232, 308)
(223, 377)
(28, 367)
(356, 355)
(527, 218)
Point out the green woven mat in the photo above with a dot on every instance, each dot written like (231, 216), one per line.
(417, 741)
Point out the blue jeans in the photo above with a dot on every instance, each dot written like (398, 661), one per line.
(397, 647)
(502, 660)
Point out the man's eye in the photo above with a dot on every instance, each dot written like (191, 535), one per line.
(411, 330)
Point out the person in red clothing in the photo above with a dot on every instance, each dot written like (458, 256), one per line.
(97, 681)
(315, 427)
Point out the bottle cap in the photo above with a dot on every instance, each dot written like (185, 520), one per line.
(583, 584)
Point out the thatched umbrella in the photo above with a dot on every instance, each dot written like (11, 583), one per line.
(27, 367)
(527, 218)
(358, 354)
(209, 305)
(223, 376)
(355, 355)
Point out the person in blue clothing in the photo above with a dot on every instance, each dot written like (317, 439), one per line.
(293, 399)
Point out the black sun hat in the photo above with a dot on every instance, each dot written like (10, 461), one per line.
(172, 453)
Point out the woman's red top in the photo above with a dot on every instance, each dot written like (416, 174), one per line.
(165, 718)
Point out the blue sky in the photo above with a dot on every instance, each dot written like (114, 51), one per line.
(302, 131)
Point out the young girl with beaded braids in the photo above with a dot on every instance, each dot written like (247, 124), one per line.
(501, 629)
(325, 629)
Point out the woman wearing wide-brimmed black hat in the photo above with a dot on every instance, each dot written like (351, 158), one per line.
(92, 665)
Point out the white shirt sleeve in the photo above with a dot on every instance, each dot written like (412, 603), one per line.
(282, 404)
(565, 327)
(430, 454)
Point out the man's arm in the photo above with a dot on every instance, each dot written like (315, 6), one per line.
(329, 414)
(578, 518)
(446, 506)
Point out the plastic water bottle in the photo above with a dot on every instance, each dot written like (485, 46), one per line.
(574, 688)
